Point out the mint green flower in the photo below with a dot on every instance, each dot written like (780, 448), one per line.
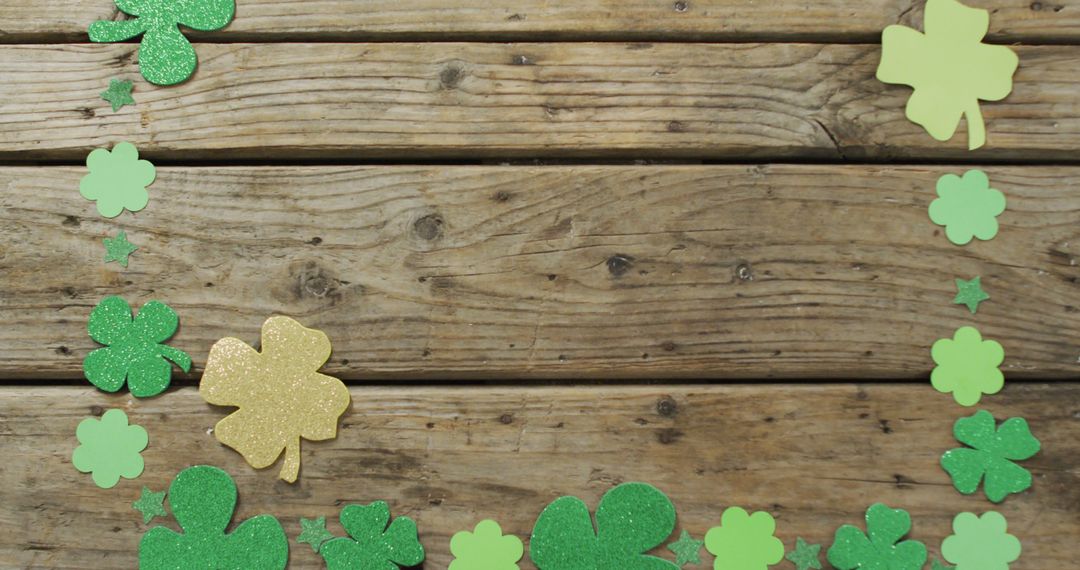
(117, 180)
(744, 541)
(110, 448)
(980, 543)
(967, 366)
(968, 207)
(486, 548)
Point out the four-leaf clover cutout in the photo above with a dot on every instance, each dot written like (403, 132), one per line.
(991, 455)
(880, 548)
(376, 543)
(485, 548)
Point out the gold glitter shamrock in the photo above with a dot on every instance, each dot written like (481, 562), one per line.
(281, 395)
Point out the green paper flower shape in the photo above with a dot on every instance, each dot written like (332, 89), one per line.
(968, 207)
(376, 544)
(880, 548)
(117, 180)
(486, 548)
(967, 366)
(166, 57)
(133, 352)
(203, 499)
(110, 448)
(744, 541)
(980, 543)
(992, 453)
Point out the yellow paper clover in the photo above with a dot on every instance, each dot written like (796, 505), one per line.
(280, 394)
(967, 366)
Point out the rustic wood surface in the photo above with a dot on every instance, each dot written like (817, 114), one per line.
(471, 101)
(813, 456)
(572, 272)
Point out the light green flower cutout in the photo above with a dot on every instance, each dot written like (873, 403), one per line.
(967, 366)
(980, 543)
(744, 541)
(968, 207)
(486, 548)
(117, 180)
(110, 448)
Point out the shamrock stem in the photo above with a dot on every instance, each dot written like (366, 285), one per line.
(976, 126)
(290, 469)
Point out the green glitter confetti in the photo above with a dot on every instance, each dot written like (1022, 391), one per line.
(970, 293)
(117, 180)
(376, 543)
(967, 366)
(486, 548)
(991, 455)
(805, 556)
(119, 94)
(203, 499)
(968, 207)
(631, 519)
(166, 57)
(881, 546)
(980, 543)
(150, 504)
(118, 249)
(110, 448)
(686, 549)
(744, 541)
(314, 532)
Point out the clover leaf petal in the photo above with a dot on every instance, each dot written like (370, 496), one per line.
(991, 455)
(879, 548)
(375, 544)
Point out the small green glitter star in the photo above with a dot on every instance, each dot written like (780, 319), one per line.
(150, 505)
(939, 565)
(805, 555)
(970, 293)
(686, 549)
(118, 249)
(119, 94)
(314, 532)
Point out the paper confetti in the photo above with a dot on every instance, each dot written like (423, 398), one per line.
(119, 94)
(744, 541)
(991, 455)
(314, 532)
(485, 548)
(117, 180)
(805, 556)
(118, 249)
(686, 549)
(980, 543)
(150, 504)
(968, 207)
(376, 543)
(970, 293)
(967, 366)
(881, 546)
(109, 448)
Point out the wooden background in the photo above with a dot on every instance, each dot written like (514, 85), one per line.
(557, 246)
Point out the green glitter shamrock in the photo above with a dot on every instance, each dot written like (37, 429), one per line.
(882, 550)
(314, 532)
(980, 543)
(150, 504)
(118, 249)
(744, 541)
(166, 57)
(376, 543)
(968, 207)
(203, 499)
(970, 293)
(967, 366)
(110, 448)
(118, 94)
(117, 180)
(992, 453)
(133, 352)
(486, 548)
(686, 549)
(631, 519)
(805, 556)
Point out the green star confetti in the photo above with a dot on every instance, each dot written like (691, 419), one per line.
(744, 541)
(805, 555)
(119, 94)
(970, 293)
(880, 547)
(980, 543)
(150, 504)
(314, 532)
(967, 366)
(968, 207)
(991, 455)
(118, 249)
(117, 180)
(110, 448)
(686, 549)
(486, 548)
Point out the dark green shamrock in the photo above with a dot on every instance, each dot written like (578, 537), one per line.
(994, 451)
(133, 350)
(880, 548)
(376, 543)
(631, 520)
(202, 499)
(166, 57)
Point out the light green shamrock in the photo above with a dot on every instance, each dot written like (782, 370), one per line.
(991, 455)
(967, 366)
(880, 548)
(486, 548)
(949, 68)
(109, 448)
(968, 207)
(744, 541)
(980, 543)
(117, 180)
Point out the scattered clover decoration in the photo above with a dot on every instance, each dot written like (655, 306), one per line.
(117, 180)
(980, 543)
(110, 448)
(486, 548)
(967, 366)
(203, 499)
(166, 57)
(744, 541)
(990, 455)
(280, 394)
(949, 68)
(133, 349)
(631, 519)
(880, 548)
(314, 533)
(376, 543)
(968, 207)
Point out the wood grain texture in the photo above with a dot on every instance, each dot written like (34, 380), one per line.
(401, 102)
(437, 272)
(670, 20)
(815, 457)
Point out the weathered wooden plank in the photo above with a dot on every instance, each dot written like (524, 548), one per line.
(671, 20)
(460, 100)
(540, 272)
(813, 456)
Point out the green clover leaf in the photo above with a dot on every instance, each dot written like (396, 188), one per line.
(880, 548)
(968, 207)
(967, 366)
(486, 548)
(133, 352)
(631, 519)
(203, 499)
(991, 454)
(110, 448)
(744, 541)
(166, 57)
(949, 68)
(980, 543)
(117, 180)
(376, 543)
